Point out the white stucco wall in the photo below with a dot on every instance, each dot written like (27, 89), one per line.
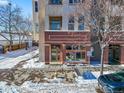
(65, 10)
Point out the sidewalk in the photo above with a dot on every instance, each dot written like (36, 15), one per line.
(16, 53)
(12, 58)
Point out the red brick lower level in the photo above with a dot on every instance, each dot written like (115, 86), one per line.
(106, 55)
(63, 52)
(62, 55)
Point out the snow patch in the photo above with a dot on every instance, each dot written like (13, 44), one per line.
(34, 63)
(11, 62)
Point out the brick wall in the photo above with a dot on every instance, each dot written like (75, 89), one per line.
(67, 37)
(47, 53)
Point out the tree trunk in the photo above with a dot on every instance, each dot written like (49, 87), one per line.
(11, 42)
(19, 40)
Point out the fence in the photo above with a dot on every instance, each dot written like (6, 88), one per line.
(14, 47)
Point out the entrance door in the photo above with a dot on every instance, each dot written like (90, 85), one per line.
(114, 54)
(55, 54)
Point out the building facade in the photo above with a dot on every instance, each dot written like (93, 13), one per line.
(35, 22)
(64, 38)
(114, 52)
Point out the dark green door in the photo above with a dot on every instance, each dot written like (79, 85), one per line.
(114, 54)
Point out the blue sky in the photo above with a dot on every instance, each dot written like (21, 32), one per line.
(26, 6)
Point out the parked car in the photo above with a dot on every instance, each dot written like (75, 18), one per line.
(112, 83)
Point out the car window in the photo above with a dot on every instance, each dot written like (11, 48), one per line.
(118, 77)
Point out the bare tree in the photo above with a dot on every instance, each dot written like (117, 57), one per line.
(26, 29)
(23, 28)
(103, 18)
(13, 22)
(8, 16)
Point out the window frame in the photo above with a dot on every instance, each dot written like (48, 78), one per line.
(57, 18)
(36, 6)
(51, 2)
(71, 22)
(116, 2)
(71, 2)
(81, 22)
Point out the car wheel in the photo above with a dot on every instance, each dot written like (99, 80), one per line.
(106, 89)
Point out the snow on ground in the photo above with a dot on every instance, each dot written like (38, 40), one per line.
(33, 63)
(29, 87)
(16, 53)
(60, 87)
(11, 62)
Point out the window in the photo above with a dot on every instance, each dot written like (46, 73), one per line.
(102, 24)
(117, 2)
(36, 6)
(71, 23)
(81, 23)
(55, 23)
(56, 2)
(75, 1)
(75, 47)
(75, 56)
(75, 53)
(115, 23)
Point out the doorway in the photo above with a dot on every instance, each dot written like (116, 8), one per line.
(55, 54)
(114, 54)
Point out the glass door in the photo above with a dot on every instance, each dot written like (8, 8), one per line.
(55, 53)
(114, 54)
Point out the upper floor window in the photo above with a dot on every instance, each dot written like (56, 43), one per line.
(36, 6)
(81, 23)
(55, 23)
(75, 1)
(115, 23)
(102, 23)
(55, 2)
(117, 2)
(71, 23)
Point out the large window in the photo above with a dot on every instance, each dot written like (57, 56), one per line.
(81, 23)
(75, 53)
(36, 6)
(75, 47)
(55, 23)
(55, 2)
(75, 56)
(71, 23)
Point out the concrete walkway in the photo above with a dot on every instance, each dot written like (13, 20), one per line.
(14, 57)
